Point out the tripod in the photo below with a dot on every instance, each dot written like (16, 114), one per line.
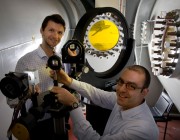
(60, 121)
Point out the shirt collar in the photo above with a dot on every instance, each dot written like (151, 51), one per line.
(41, 52)
(133, 111)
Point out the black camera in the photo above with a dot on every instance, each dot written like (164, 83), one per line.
(15, 85)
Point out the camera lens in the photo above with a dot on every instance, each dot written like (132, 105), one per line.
(54, 62)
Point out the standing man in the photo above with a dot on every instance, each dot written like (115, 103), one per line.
(130, 118)
(52, 30)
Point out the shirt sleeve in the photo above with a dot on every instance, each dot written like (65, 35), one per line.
(20, 66)
(99, 97)
(81, 127)
(84, 131)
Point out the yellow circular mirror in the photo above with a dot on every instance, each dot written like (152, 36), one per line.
(103, 35)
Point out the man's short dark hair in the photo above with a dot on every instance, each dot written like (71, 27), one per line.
(144, 70)
(55, 18)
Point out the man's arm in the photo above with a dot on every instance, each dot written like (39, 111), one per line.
(97, 96)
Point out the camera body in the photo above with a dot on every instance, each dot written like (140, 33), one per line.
(16, 85)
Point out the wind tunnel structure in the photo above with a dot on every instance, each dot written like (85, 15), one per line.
(157, 43)
(107, 39)
(20, 34)
(164, 47)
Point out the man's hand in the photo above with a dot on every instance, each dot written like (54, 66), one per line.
(14, 102)
(34, 90)
(72, 52)
(64, 96)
